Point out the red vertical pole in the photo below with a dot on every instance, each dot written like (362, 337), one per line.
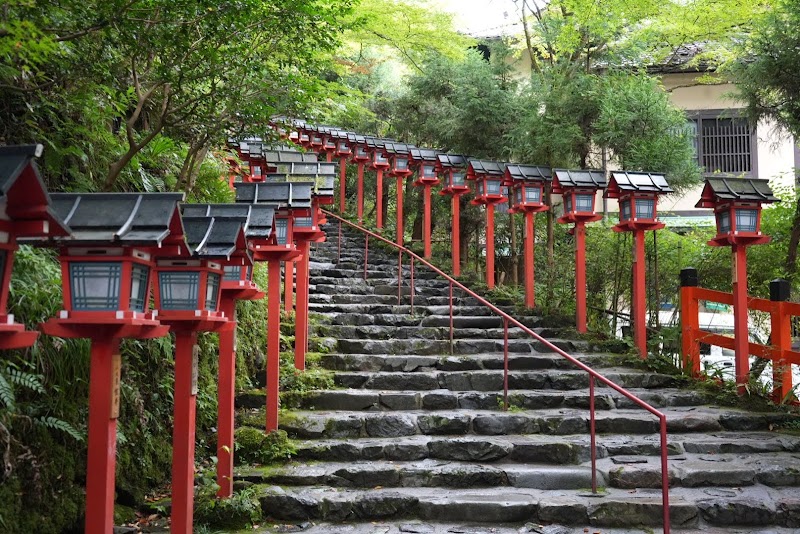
(342, 183)
(593, 433)
(781, 336)
(451, 318)
(360, 192)
(400, 183)
(741, 341)
(329, 157)
(183, 433)
(301, 307)
(580, 276)
(639, 312)
(273, 342)
(102, 461)
(530, 237)
(379, 199)
(490, 246)
(288, 285)
(690, 322)
(226, 393)
(456, 236)
(426, 222)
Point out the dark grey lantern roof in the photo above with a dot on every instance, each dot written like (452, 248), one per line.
(452, 161)
(580, 178)
(118, 218)
(285, 194)
(641, 181)
(528, 172)
(258, 217)
(214, 237)
(487, 168)
(742, 189)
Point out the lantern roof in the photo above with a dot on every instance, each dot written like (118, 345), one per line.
(451, 161)
(23, 195)
(289, 156)
(257, 217)
(256, 148)
(625, 182)
(286, 194)
(215, 237)
(113, 219)
(479, 167)
(342, 135)
(584, 178)
(735, 190)
(528, 173)
(398, 149)
(357, 139)
(321, 174)
(424, 155)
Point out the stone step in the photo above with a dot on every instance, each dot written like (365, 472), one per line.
(378, 332)
(359, 399)
(459, 321)
(360, 424)
(756, 506)
(689, 471)
(388, 279)
(467, 362)
(542, 448)
(405, 299)
(386, 273)
(491, 380)
(427, 347)
(327, 308)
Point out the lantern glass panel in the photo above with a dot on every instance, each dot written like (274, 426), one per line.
(304, 138)
(317, 140)
(139, 274)
(281, 229)
(256, 170)
(645, 208)
(233, 273)
(361, 152)
(518, 196)
(95, 285)
(724, 222)
(303, 222)
(178, 290)
(343, 146)
(625, 210)
(457, 178)
(493, 187)
(480, 189)
(567, 203)
(249, 273)
(533, 194)
(401, 164)
(746, 220)
(379, 157)
(212, 291)
(427, 171)
(584, 202)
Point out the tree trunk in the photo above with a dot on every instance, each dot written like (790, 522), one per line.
(419, 207)
(794, 241)
(514, 255)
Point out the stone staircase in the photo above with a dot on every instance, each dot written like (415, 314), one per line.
(414, 437)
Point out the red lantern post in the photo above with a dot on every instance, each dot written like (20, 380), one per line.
(106, 266)
(424, 161)
(344, 151)
(527, 183)
(187, 297)
(237, 285)
(26, 205)
(637, 193)
(579, 191)
(360, 157)
(488, 177)
(454, 167)
(398, 155)
(379, 164)
(737, 206)
(290, 199)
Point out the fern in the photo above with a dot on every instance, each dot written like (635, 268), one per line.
(7, 396)
(53, 423)
(26, 380)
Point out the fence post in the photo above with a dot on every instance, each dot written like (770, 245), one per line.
(690, 321)
(781, 325)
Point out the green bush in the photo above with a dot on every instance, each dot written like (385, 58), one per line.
(256, 446)
(237, 512)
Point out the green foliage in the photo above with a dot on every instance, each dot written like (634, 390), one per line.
(256, 446)
(237, 512)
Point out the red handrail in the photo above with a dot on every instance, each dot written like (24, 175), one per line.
(594, 375)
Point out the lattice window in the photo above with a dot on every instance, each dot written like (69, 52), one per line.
(724, 144)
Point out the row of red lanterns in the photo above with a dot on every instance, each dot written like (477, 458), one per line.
(736, 202)
(195, 261)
